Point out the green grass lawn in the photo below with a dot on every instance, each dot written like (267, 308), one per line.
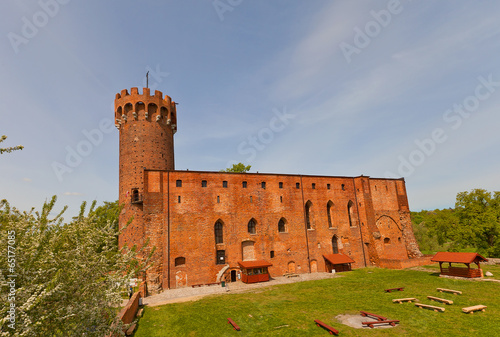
(290, 309)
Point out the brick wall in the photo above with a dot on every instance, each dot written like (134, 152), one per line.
(187, 214)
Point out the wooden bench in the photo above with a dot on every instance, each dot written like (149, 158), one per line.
(370, 324)
(197, 285)
(290, 275)
(369, 314)
(394, 289)
(426, 306)
(454, 292)
(401, 300)
(212, 284)
(470, 310)
(233, 323)
(331, 330)
(442, 300)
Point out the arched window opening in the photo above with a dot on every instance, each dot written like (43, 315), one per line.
(329, 206)
(387, 241)
(350, 212)
(308, 214)
(180, 261)
(335, 244)
(218, 232)
(251, 227)
(282, 226)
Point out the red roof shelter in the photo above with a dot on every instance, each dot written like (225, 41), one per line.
(254, 271)
(338, 262)
(466, 258)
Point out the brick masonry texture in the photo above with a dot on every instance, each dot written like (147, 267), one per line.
(176, 212)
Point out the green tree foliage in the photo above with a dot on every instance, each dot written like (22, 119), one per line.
(474, 225)
(68, 277)
(9, 149)
(238, 168)
(479, 225)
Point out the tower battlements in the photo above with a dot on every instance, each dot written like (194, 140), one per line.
(145, 107)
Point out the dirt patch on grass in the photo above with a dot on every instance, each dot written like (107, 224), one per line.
(356, 321)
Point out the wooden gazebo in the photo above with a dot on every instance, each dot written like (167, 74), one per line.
(254, 271)
(466, 258)
(338, 262)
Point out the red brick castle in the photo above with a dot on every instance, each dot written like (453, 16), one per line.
(206, 226)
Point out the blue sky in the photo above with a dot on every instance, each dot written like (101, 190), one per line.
(379, 88)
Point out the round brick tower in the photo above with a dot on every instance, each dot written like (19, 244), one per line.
(147, 125)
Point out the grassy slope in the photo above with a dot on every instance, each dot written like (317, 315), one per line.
(298, 304)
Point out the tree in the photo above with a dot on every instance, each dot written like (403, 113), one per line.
(67, 277)
(479, 220)
(9, 149)
(238, 168)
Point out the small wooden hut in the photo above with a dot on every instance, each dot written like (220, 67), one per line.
(254, 271)
(465, 258)
(338, 262)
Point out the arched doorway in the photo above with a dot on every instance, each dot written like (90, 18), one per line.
(314, 266)
(291, 267)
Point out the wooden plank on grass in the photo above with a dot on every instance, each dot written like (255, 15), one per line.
(401, 300)
(442, 300)
(426, 306)
(455, 292)
(470, 310)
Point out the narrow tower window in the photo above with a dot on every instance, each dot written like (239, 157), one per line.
(251, 227)
(335, 244)
(280, 184)
(281, 226)
(350, 212)
(244, 184)
(329, 206)
(218, 231)
(308, 214)
(203, 183)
